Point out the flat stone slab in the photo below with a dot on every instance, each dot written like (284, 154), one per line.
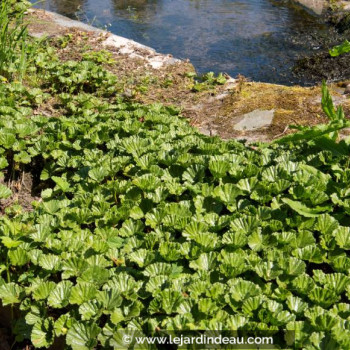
(255, 120)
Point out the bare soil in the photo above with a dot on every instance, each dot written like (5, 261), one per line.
(22, 192)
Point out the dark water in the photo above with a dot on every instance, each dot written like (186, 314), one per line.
(260, 39)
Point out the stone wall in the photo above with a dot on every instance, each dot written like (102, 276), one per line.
(315, 5)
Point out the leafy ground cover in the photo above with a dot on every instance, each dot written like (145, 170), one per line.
(142, 223)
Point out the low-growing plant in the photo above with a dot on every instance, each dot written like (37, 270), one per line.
(74, 77)
(100, 56)
(144, 224)
(207, 81)
(340, 49)
(65, 40)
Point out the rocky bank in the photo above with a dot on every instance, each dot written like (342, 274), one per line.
(239, 108)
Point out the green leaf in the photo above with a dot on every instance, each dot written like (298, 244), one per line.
(82, 292)
(74, 266)
(61, 183)
(117, 316)
(268, 270)
(18, 257)
(303, 282)
(296, 305)
(241, 290)
(83, 336)
(309, 133)
(9, 242)
(22, 157)
(35, 315)
(59, 297)
(110, 299)
(310, 253)
(235, 239)
(98, 174)
(90, 309)
(11, 293)
(327, 103)
(326, 224)
(3, 163)
(227, 193)
(49, 262)
(125, 285)
(218, 167)
(337, 282)
(170, 251)
(303, 210)
(94, 274)
(156, 283)
(43, 290)
(323, 297)
(251, 304)
(5, 192)
(7, 140)
(337, 148)
(255, 241)
(340, 49)
(147, 182)
(52, 206)
(342, 237)
(42, 333)
(293, 266)
(206, 261)
(169, 301)
(62, 324)
(142, 257)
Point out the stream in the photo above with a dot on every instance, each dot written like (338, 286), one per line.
(260, 39)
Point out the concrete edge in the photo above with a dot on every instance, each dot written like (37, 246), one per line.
(124, 46)
(316, 6)
(319, 7)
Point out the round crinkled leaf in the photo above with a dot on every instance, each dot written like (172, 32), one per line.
(49, 262)
(303, 210)
(18, 257)
(43, 290)
(5, 192)
(110, 299)
(42, 333)
(342, 237)
(7, 140)
(90, 309)
(82, 292)
(62, 324)
(83, 336)
(3, 163)
(98, 174)
(95, 274)
(117, 316)
(59, 297)
(11, 293)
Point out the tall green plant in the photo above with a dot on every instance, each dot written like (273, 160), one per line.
(325, 135)
(13, 40)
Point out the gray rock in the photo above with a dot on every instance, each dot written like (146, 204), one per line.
(316, 6)
(255, 120)
(347, 90)
(208, 130)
